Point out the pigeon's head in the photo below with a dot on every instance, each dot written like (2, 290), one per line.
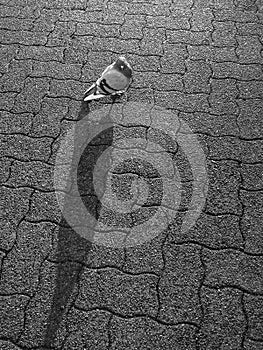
(123, 66)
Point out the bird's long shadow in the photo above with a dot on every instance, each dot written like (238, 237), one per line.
(72, 250)
(71, 253)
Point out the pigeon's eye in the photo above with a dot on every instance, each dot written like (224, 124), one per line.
(122, 66)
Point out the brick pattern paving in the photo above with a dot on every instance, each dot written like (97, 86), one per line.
(200, 58)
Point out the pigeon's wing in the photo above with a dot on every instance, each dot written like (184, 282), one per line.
(114, 80)
(107, 69)
(98, 90)
(105, 88)
(95, 85)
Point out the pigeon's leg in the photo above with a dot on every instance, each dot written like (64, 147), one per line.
(120, 92)
(114, 97)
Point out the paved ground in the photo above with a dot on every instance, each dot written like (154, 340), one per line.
(200, 58)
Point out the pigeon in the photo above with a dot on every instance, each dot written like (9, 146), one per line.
(114, 81)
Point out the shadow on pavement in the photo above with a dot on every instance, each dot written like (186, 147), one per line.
(71, 254)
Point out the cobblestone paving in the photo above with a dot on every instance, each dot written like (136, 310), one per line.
(203, 60)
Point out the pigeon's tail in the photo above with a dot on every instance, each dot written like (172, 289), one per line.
(91, 94)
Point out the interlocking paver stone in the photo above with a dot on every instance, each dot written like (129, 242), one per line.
(195, 289)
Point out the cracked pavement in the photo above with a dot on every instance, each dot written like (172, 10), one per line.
(200, 290)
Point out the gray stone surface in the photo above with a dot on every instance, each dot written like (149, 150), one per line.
(200, 289)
